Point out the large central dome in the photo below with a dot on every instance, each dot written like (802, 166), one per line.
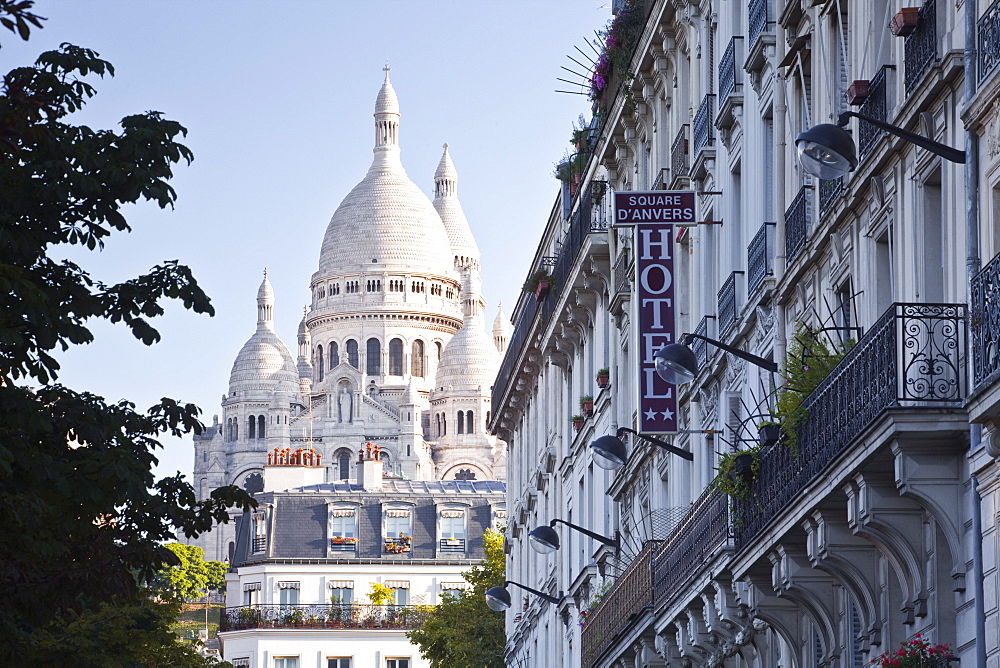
(386, 221)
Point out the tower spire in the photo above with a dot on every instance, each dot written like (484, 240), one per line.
(265, 304)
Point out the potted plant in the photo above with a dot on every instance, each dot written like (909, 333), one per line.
(915, 653)
(736, 472)
(587, 405)
(905, 21)
(768, 433)
(578, 422)
(603, 378)
(539, 283)
(857, 92)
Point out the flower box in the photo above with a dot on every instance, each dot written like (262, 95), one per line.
(905, 21)
(578, 422)
(542, 290)
(603, 380)
(857, 92)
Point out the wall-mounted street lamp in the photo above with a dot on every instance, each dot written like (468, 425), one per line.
(545, 539)
(610, 452)
(827, 150)
(498, 598)
(677, 364)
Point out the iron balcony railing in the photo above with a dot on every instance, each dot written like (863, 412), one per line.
(912, 357)
(756, 19)
(875, 106)
(727, 308)
(631, 593)
(687, 550)
(829, 191)
(679, 154)
(452, 545)
(797, 218)
(760, 253)
(259, 544)
(514, 348)
(920, 46)
(322, 616)
(728, 72)
(623, 273)
(601, 206)
(988, 40)
(984, 324)
(701, 128)
(699, 346)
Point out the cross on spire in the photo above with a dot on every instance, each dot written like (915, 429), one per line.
(386, 70)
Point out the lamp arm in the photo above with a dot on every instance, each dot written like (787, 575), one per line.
(742, 354)
(937, 148)
(673, 449)
(540, 594)
(610, 542)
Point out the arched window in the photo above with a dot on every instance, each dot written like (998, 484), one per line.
(386, 463)
(444, 424)
(251, 424)
(437, 344)
(260, 426)
(229, 429)
(236, 429)
(352, 353)
(344, 464)
(437, 420)
(319, 361)
(374, 350)
(334, 354)
(396, 357)
(417, 359)
(461, 422)
(468, 423)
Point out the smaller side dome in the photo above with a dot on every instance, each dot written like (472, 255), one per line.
(264, 363)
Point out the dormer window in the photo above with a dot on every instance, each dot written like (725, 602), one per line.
(452, 530)
(343, 529)
(397, 530)
(259, 538)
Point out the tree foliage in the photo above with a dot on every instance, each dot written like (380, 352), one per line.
(83, 517)
(191, 576)
(461, 631)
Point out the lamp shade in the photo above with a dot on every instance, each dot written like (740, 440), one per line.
(676, 363)
(826, 151)
(609, 452)
(498, 598)
(544, 539)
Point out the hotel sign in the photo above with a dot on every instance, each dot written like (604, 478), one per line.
(654, 215)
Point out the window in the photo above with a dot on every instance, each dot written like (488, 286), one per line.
(338, 662)
(259, 532)
(287, 662)
(344, 465)
(251, 593)
(451, 530)
(417, 359)
(260, 426)
(437, 345)
(352, 353)
(374, 350)
(242, 662)
(400, 591)
(397, 662)
(341, 592)
(468, 423)
(334, 354)
(461, 422)
(397, 534)
(288, 593)
(396, 357)
(318, 363)
(437, 420)
(251, 427)
(343, 529)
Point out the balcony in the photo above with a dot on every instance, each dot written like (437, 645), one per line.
(985, 324)
(451, 546)
(920, 48)
(797, 218)
(701, 129)
(631, 593)
(829, 191)
(679, 155)
(343, 544)
(875, 106)
(730, 82)
(988, 40)
(321, 616)
(728, 309)
(700, 347)
(760, 253)
(690, 546)
(259, 544)
(756, 19)
(912, 357)
(397, 545)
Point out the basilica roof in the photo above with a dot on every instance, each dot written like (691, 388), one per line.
(470, 359)
(463, 244)
(386, 220)
(264, 363)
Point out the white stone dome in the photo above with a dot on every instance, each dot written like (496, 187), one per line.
(463, 244)
(470, 359)
(264, 363)
(386, 220)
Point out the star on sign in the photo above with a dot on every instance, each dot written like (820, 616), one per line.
(667, 414)
(650, 414)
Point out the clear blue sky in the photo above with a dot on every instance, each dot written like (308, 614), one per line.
(278, 100)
